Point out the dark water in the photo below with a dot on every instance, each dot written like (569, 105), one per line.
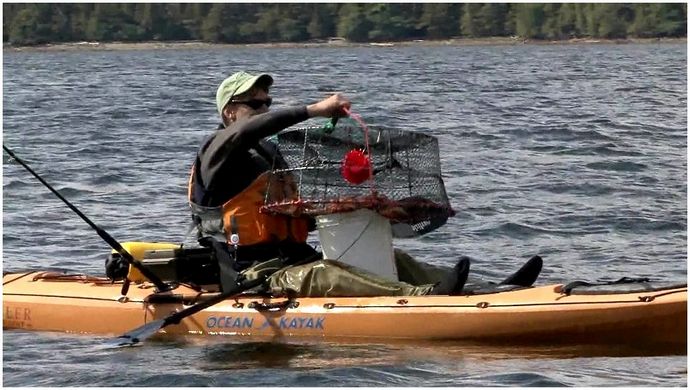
(576, 153)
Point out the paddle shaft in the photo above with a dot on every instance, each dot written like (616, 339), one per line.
(101, 233)
(147, 330)
(239, 288)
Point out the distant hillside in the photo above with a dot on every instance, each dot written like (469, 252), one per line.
(30, 24)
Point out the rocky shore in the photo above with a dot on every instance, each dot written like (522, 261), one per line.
(184, 45)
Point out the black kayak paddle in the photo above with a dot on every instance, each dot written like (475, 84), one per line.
(135, 336)
(145, 331)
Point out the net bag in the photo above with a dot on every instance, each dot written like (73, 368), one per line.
(348, 167)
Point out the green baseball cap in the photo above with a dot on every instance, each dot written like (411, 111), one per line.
(238, 84)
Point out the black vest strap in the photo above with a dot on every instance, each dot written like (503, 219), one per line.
(226, 262)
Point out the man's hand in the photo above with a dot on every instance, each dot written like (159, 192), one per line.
(333, 106)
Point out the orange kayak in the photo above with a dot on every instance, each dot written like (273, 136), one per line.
(49, 301)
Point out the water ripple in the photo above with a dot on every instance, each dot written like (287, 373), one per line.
(574, 152)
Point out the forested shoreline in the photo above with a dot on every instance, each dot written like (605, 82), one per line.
(36, 24)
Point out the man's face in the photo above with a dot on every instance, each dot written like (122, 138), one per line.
(256, 101)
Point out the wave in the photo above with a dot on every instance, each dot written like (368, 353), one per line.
(618, 166)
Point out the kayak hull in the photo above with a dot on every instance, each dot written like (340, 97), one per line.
(87, 305)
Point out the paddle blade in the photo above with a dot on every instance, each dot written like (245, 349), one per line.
(137, 335)
(143, 332)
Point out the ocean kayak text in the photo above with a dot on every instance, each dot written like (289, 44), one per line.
(228, 322)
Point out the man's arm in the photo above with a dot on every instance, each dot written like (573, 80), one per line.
(243, 134)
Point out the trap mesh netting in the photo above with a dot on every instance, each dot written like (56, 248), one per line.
(344, 168)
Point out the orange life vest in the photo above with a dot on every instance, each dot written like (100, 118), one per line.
(242, 215)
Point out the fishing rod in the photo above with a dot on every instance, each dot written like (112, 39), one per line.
(160, 285)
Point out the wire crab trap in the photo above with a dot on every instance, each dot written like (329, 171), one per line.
(395, 173)
(372, 183)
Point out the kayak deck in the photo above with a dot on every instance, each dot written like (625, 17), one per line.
(81, 304)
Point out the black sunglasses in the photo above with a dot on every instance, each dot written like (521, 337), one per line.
(254, 104)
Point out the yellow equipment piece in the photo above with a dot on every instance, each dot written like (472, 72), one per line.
(144, 250)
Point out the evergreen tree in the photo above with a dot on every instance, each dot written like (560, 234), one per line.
(551, 29)
(225, 23)
(591, 20)
(143, 15)
(610, 20)
(9, 11)
(241, 22)
(109, 23)
(581, 22)
(79, 20)
(492, 19)
(388, 21)
(567, 21)
(268, 23)
(292, 27)
(672, 19)
(529, 19)
(439, 20)
(212, 26)
(193, 17)
(171, 23)
(470, 25)
(509, 26)
(32, 25)
(353, 23)
(321, 23)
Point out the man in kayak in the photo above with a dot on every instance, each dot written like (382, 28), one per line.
(227, 185)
